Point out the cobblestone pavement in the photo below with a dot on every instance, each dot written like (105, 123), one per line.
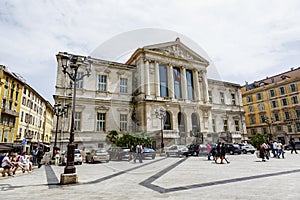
(246, 177)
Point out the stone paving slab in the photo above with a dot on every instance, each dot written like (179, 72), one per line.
(245, 177)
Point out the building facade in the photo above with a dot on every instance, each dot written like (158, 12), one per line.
(168, 78)
(10, 97)
(32, 119)
(272, 106)
(26, 117)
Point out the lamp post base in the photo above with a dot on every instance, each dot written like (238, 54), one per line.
(68, 179)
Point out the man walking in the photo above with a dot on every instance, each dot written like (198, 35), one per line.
(138, 153)
(293, 145)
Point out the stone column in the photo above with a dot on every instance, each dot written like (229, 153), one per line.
(205, 86)
(142, 86)
(157, 80)
(196, 85)
(183, 83)
(170, 81)
(147, 78)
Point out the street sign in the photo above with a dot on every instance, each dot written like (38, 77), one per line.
(24, 141)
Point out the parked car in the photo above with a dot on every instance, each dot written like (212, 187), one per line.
(177, 150)
(97, 155)
(77, 157)
(233, 149)
(148, 152)
(119, 153)
(247, 148)
(197, 149)
(289, 147)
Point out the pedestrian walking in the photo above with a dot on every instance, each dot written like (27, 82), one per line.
(138, 153)
(34, 159)
(56, 157)
(218, 152)
(223, 154)
(208, 148)
(39, 156)
(280, 150)
(262, 151)
(293, 145)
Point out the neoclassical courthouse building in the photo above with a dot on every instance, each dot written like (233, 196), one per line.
(167, 78)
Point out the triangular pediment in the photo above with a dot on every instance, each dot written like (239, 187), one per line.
(176, 49)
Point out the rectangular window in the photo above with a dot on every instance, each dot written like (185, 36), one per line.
(258, 96)
(100, 121)
(281, 90)
(77, 121)
(252, 120)
(253, 131)
(262, 118)
(279, 128)
(123, 122)
(189, 82)
(222, 98)
(276, 117)
(284, 102)
(250, 108)
(163, 80)
(287, 115)
(123, 85)
(272, 93)
(177, 83)
(249, 98)
(290, 128)
(233, 101)
(261, 107)
(293, 88)
(294, 99)
(225, 125)
(210, 96)
(237, 125)
(102, 82)
(214, 125)
(274, 104)
(297, 114)
(264, 130)
(22, 115)
(79, 80)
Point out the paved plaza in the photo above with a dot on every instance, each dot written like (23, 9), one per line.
(246, 177)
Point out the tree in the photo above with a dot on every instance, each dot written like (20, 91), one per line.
(134, 139)
(258, 139)
(112, 137)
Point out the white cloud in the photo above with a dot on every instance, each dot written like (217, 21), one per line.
(247, 40)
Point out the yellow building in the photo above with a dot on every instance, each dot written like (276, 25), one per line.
(48, 127)
(10, 97)
(272, 106)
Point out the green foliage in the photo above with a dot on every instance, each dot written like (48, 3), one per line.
(258, 139)
(128, 139)
(112, 137)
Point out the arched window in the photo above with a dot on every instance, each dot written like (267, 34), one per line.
(168, 125)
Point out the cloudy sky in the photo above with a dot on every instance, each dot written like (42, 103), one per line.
(245, 40)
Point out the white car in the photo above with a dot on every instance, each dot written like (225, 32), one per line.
(247, 148)
(78, 158)
(177, 150)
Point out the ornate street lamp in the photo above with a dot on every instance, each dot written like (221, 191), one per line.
(161, 114)
(70, 65)
(58, 111)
